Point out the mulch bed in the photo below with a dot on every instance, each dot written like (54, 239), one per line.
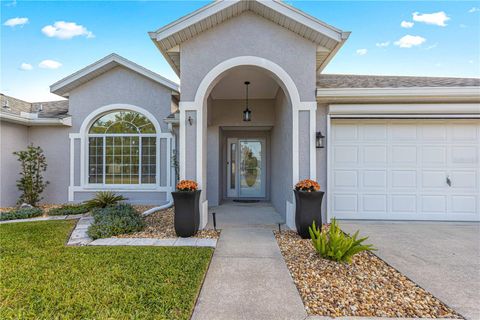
(160, 225)
(367, 287)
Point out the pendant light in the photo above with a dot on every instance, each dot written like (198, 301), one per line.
(247, 113)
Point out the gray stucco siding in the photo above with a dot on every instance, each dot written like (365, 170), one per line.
(321, 154)
(120, 86)
(13, 137)
(248, 35)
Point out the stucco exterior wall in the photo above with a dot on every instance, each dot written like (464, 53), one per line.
(321, 124)
(281, 154)
(248, 35)
(13, 137)
(56, 145)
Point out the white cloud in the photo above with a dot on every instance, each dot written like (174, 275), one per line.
(409, 41)
(437, 18)
(474, 9)
(383, 44)
(66, 30)
(406, 24)
(15, 22)
(431, 46)
(49, 64)
(26, 66)
(361, 52)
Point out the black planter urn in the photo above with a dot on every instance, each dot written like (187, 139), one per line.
(308, 208)
(187, 212)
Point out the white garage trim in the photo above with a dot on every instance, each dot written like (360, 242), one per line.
(454, 109)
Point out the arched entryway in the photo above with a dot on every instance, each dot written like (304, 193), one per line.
(279, 139)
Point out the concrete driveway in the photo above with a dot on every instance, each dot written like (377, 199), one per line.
(441, 257)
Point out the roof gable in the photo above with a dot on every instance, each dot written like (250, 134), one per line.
(64, 86)
(328, 39)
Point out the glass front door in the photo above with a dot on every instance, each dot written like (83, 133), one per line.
(246, 168)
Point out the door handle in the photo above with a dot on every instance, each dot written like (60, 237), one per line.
(449, 182)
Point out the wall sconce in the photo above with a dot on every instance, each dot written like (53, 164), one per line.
(320, 140)
(190, 120)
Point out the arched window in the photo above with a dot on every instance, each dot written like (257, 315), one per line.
(122, 149)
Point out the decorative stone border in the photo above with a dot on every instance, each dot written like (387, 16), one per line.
(67, 217)
(79, 237)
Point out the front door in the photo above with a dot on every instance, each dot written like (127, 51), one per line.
(246, 168)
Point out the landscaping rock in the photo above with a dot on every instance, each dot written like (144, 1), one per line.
(367, 287)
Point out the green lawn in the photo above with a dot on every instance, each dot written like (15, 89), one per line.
(40, 278)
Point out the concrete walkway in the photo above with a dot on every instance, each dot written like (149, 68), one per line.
(248, 278)
(441, 257)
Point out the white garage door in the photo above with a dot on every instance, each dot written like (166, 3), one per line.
(405, 169)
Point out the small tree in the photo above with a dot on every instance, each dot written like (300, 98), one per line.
(33, 164)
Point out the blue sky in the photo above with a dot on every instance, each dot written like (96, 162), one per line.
(444, 39)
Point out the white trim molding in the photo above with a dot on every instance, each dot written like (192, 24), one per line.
(65, 85)
(398, 94)
(405, 108)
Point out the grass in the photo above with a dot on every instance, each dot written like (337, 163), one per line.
(41, 278)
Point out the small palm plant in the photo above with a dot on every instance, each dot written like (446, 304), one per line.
(104, 199)
(336, 245)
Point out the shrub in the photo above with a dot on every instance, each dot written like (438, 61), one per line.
(22, 213)
(187, 185)
(336, 245)
(31, 184)
(307, 185)
(68, 209)
(115, 220)
(104, 199)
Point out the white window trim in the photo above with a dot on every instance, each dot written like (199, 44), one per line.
(83, 135)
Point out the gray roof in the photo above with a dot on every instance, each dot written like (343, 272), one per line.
(49, 109)
(333, 81)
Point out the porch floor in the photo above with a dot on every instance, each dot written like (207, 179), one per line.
(248, 277)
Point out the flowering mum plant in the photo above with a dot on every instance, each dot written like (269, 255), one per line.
(307, 185)
(187, 185)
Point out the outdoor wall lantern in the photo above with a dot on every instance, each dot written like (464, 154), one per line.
(247, 113)
(320, 140)
(190, 120)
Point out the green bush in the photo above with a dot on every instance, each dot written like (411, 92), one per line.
(104, 199)
(33, 164)
(115, 220)
(68, 209)
(22, 213)
(336, 245)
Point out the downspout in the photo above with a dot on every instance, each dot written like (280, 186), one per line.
(170, 201)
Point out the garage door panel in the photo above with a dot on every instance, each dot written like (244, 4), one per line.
(346, 154)
(404, 179)
(374, 132)
(403, 203)
(464, 179)
(434, 156)
(402, 132)
(374, 179)
(400, 169)
(345, 179)
(434, 179)
(464, 155)
(434, 132)
(374, 203)
(404, 155)
(434, 203)
(374, 155)
(345, 203)
(464, 204)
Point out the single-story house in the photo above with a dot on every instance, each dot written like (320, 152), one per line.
(382, 147)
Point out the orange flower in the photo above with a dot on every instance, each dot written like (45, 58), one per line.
(187, 185)
(307, 185)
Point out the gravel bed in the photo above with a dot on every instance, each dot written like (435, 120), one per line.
(160, 225)
(367, 287)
